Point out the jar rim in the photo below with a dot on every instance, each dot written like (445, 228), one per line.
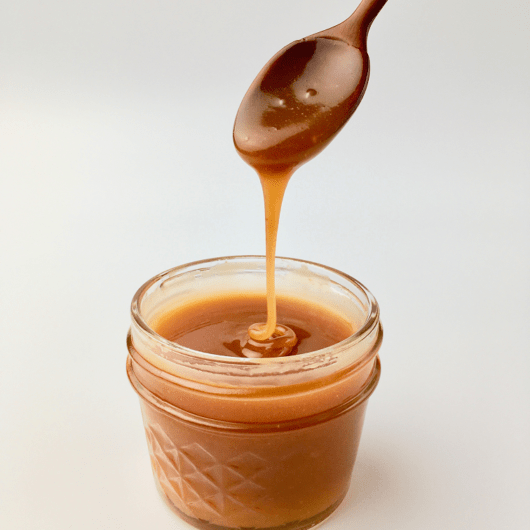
(370, 322)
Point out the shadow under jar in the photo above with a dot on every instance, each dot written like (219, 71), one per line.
(264, 443)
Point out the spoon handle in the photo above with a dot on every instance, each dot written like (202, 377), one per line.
(354, 30)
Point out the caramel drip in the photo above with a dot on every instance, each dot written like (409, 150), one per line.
(273, 186)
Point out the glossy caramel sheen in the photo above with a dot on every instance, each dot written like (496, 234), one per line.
(219, 326)
(299, 102)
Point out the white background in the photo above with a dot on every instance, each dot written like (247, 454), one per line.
(116, 163)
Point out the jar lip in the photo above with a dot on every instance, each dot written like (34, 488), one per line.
(372, 317)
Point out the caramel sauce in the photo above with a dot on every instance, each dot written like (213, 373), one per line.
(231, 456)
(220, 326)
(273, 185)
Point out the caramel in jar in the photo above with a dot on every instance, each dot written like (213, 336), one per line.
(238, 442)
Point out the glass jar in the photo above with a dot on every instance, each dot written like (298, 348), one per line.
(264, 443)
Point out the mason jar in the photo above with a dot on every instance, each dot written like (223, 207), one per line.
(264, 443)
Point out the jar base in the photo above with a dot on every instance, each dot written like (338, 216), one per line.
(313, 522)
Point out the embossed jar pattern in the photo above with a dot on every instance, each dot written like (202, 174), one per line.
(214, 463)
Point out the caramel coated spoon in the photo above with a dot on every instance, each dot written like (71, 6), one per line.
(305, 94)
(296, 105)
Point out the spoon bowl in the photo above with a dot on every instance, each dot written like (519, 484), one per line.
(305, 94)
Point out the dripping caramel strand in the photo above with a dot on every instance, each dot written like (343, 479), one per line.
(273, 191)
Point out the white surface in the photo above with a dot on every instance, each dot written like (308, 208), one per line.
(116, 162)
